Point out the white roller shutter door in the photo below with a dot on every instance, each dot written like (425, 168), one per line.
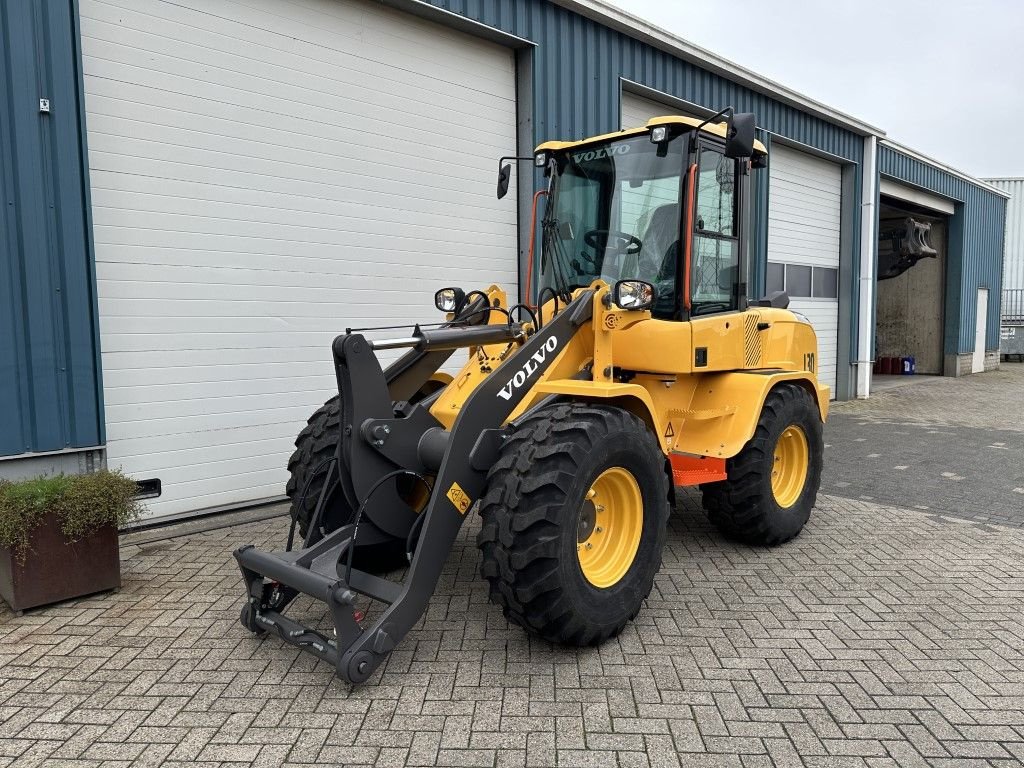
(637, 110)
(264, 174)
(804, 204)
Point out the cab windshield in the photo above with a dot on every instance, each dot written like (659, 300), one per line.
(615, 214)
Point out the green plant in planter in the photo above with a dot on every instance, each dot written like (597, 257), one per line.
(82, 503)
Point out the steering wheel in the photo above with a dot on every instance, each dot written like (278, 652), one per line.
(620, 243)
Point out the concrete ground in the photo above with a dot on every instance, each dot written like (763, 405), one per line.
(883, 636)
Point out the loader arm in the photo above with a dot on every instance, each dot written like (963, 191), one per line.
(376, 437)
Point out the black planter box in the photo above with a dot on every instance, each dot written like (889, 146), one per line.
(55, 569)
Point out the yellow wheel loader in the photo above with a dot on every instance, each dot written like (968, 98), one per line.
(641, 365)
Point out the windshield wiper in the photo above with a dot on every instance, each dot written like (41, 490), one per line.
(559, 259)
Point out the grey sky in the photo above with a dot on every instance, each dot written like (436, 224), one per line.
(927, 73)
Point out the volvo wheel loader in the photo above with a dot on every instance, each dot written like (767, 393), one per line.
(639, 365)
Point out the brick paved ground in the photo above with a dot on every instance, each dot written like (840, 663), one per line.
(879, 637)
(949, 446)
(882, 636)
(991, 400)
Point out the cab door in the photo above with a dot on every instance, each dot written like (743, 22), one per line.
(713, 247)
(714, 294)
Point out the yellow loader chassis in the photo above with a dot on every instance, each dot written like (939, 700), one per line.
(712, 424)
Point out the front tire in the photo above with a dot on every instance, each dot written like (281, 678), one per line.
(773, 482)
(308, 467)
(574, 522)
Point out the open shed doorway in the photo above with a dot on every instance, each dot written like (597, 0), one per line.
(910, 318)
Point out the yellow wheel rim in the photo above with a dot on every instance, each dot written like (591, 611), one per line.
(789, 467)
(611, 521)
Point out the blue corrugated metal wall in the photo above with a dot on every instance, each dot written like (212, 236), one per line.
(975, 247)
(579, 62)
(49, 377)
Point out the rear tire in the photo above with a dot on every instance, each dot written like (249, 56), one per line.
(772, 483)
(308, 467)
(537, 522)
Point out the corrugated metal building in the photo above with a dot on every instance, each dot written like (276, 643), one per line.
(50, 393)
(1013, 254)
(216, 188)
(973, 279)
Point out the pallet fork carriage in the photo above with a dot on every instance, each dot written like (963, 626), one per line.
(636, 370)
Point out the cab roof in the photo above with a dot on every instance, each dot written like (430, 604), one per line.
(715, 129)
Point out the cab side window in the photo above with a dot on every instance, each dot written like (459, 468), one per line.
(715, 242)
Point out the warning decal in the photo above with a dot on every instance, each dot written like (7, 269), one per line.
(669, 432)
(458, 497)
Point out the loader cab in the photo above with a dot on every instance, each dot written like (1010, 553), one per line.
(664, 204)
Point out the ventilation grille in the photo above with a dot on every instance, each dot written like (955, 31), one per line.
(751, 340)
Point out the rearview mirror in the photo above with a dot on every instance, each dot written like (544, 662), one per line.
(739, 137)
(450, 299)
(633, 294)
(504, 174)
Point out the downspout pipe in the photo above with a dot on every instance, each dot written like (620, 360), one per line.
(868, 268)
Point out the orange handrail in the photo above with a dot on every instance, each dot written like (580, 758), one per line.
(533, 236)
(691, 175)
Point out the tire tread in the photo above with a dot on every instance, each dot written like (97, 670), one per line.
(520, 532)
(738, 505)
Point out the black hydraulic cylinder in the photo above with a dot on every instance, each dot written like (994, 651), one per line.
(454, 338)
(448, 338)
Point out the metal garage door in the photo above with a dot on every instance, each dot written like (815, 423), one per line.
(637, 110)
(804, 200)
(264, 174)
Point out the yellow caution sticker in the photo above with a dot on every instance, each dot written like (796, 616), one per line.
(459, 498)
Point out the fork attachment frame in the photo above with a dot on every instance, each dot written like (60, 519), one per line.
(381, 435)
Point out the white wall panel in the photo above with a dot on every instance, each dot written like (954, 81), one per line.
(804, 204)
(264, 174)
(637, 110)
(1013, 259)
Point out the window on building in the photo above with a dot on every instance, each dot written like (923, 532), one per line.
(798, 280)
(825, 283)
(775, 279)
(802, 281)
